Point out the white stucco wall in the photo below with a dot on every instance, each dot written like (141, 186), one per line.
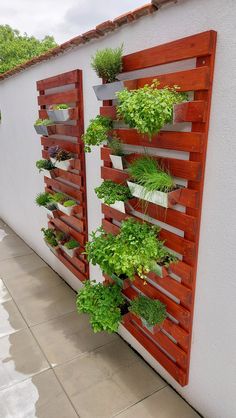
(212, 384)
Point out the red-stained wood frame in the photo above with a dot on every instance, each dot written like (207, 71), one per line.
(73, 181)
(171, 347)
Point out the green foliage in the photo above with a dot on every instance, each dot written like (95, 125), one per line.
(97, 132)
(43, 199)
(59, 197)
(148, 109)
(16, 49)
(153, 311)
(135, 250)
(61, 106)
(44, 122)
(112, 192)
(146, 172)
(102, 303)
(71, 244)
(62, 237)
(50, 236)
(116, 146)
(44, 165)
(69, 203)
(63, 155)
(108, 63)
(51, 206)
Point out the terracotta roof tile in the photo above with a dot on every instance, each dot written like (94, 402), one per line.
(99, 31)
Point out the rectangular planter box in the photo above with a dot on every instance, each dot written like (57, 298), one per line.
(118, 162)
(61, 115)
(166, 200)
(63, 165)
(66, 210)
(161, 271)
(70, 253)
(54, 250)
(45, 130)
(117, 205)
(108, 91)
(124, 283)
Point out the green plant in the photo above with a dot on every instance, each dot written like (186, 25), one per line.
(107, 63)
(116, 146)
(44, 165)
(97, 132)
(51, 206)
(147, 172)
(69, 203)
(43, 199)
(50, 236)
(152, 311)
(148, 109)
(103, 304)
(71, 244)
(135, 250)
(62, 237)
(60, 106)
(59, 197)
(44, 122)
(112, 192)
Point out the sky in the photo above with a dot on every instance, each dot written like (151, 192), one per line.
(63, 19)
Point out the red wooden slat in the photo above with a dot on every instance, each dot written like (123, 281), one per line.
(68, 96)
(72, 112)
(70, 77)
(190, 47)
(68, 230)
(67, 145)
(179, 141)
(82, 277)
(67, 130)
(69, 176)
(190, 112)
(73, 221)
(70, 191)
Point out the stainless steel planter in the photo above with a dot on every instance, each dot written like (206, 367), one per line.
(108, 91)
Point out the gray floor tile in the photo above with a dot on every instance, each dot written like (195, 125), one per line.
(12, 246)
(10, 318)
(24, 264)
(4, 294)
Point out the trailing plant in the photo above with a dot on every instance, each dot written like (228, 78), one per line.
(116, 147)
(50, 237)
(107, 63)
(44, 122)
(43, 199)
(152, 311)
(72, 244)
(97, 132)
(69, 203)
(148, 109)
(112, 192)
(103, 304)
(147, 172)
(59, 153)
(135, 250)
(44, 165)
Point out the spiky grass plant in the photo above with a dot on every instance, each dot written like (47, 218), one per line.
(43, 199)
(44, 165)
(107, 63)
(116, 146)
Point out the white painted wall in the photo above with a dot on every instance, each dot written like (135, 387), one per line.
(212, 384)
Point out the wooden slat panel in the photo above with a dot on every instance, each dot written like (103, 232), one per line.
(70, 77)
(69, 96)
(108, 111)
(67, 145)
(70, 191)
(152, 348)
(72, 268)
(72, 221)
(190, 112)
(68, 230)
(67, 130)
(188, 80)
(187, 198)
(73, 178)
(179, 141)
(190, 47)
(72, 112)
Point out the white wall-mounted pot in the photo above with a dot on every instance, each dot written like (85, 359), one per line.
(118, 205)
(54, 250)
(123, 283)
(108, 91)
(45, 130)
(159, 198)
(70, 253)
(66, 210)
(59, 115)
(118, 161)
(63, 165)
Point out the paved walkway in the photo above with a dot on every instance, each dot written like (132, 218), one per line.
(52, 365)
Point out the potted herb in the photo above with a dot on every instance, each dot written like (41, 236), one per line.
(113, 194)
(148, 109)
(107, 64)
(97, 132)
(59, 112)
(50, 239)
(151, 312)
(44, 127)
(70, 246)
(46, 200)
(103, 304)
(60, 158)
(151, 183)
(45, 165)
(117, 154)
(64, 203)
(135, 250)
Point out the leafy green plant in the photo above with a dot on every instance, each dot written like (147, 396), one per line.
(43, 199)
(60, 197)
(71, 244)
(148, 109)
(50, 237)
(60, 106)
(112, 192)
(103, 304)
(44, 122)
(153, 311)
(107, 63)
(69, 203)
(62, 237)
(147, 172)
(97, 132)
(116, 146)
(135, 250)
(44, 165)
